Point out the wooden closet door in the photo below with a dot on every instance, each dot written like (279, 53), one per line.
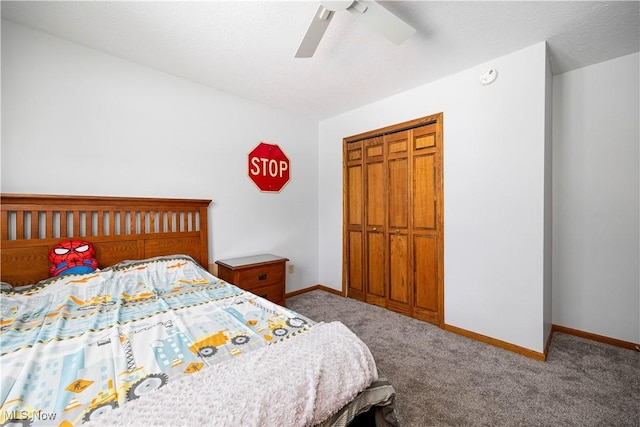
(394, 227)
(375, 221)
(427, 225)
(397, 235)
(354, 215)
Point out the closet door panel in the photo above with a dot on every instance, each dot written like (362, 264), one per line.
(354, 201)
(424, 192)
(397, 143)
(398, 190)
(425, 137)
(376, 266)
(426, 272)
(399, 288)
(355, 279)
(375, 194)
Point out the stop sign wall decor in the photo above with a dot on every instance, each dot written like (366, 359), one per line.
(268, 167)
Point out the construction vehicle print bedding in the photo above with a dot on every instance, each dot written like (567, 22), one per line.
(75, 346)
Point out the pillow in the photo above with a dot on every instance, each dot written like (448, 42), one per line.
(72, 257)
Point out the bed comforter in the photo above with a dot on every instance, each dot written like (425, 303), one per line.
(83, 348)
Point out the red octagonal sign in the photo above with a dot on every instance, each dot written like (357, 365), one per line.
(268, 167)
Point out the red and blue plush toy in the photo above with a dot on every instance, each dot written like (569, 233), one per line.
(72, 257)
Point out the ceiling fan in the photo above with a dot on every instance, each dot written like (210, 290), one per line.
(369, 11)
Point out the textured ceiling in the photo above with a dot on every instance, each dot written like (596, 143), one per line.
(247, 48)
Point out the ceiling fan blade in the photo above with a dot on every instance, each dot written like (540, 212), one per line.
(314, 33)
(382, 20)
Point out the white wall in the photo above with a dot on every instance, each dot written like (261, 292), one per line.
(596, 254)
(79, 121)
(548, 205)
(69, 112)
(494, 167)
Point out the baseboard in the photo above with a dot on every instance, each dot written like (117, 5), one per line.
(503, 344)
(313, 288)
(595, 337)
(473, 335)
(497, 343)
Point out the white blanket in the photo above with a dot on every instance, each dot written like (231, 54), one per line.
(299, 381)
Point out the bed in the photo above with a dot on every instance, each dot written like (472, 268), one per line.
(151, 337)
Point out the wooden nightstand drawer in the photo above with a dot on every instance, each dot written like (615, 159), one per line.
(261, 275)
(274, 293)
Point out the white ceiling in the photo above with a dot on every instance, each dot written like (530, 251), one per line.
(247, 48)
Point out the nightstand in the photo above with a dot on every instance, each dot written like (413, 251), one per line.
(263, 275)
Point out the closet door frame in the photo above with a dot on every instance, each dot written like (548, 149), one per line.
(436, 119)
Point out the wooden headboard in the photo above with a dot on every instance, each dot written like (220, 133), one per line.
(120, 228)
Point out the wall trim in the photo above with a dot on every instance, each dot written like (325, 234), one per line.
(498, 343)
(313, 288)
(595, 337)
(503, 344)
(473, 335)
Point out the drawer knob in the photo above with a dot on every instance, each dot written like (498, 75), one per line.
(262, 276)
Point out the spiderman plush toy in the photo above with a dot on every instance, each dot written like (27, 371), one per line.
(72, 257)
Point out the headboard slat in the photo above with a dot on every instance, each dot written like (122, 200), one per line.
(119, 227)
(4, 226)
(112, 222)
(20, 226)
(62, 232)
(100, 219)
(49, 224)
(89, 224)
(35, 222)
(152, 222)
(123, 217)
(170, 221)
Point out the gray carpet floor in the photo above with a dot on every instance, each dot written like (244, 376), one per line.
(443, 379)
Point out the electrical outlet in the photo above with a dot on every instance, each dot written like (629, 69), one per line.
(290, 268)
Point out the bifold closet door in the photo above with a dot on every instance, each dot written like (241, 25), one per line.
(397, 236)
(354, 219)
(375, 221)
(426, 230)
(394, 220)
